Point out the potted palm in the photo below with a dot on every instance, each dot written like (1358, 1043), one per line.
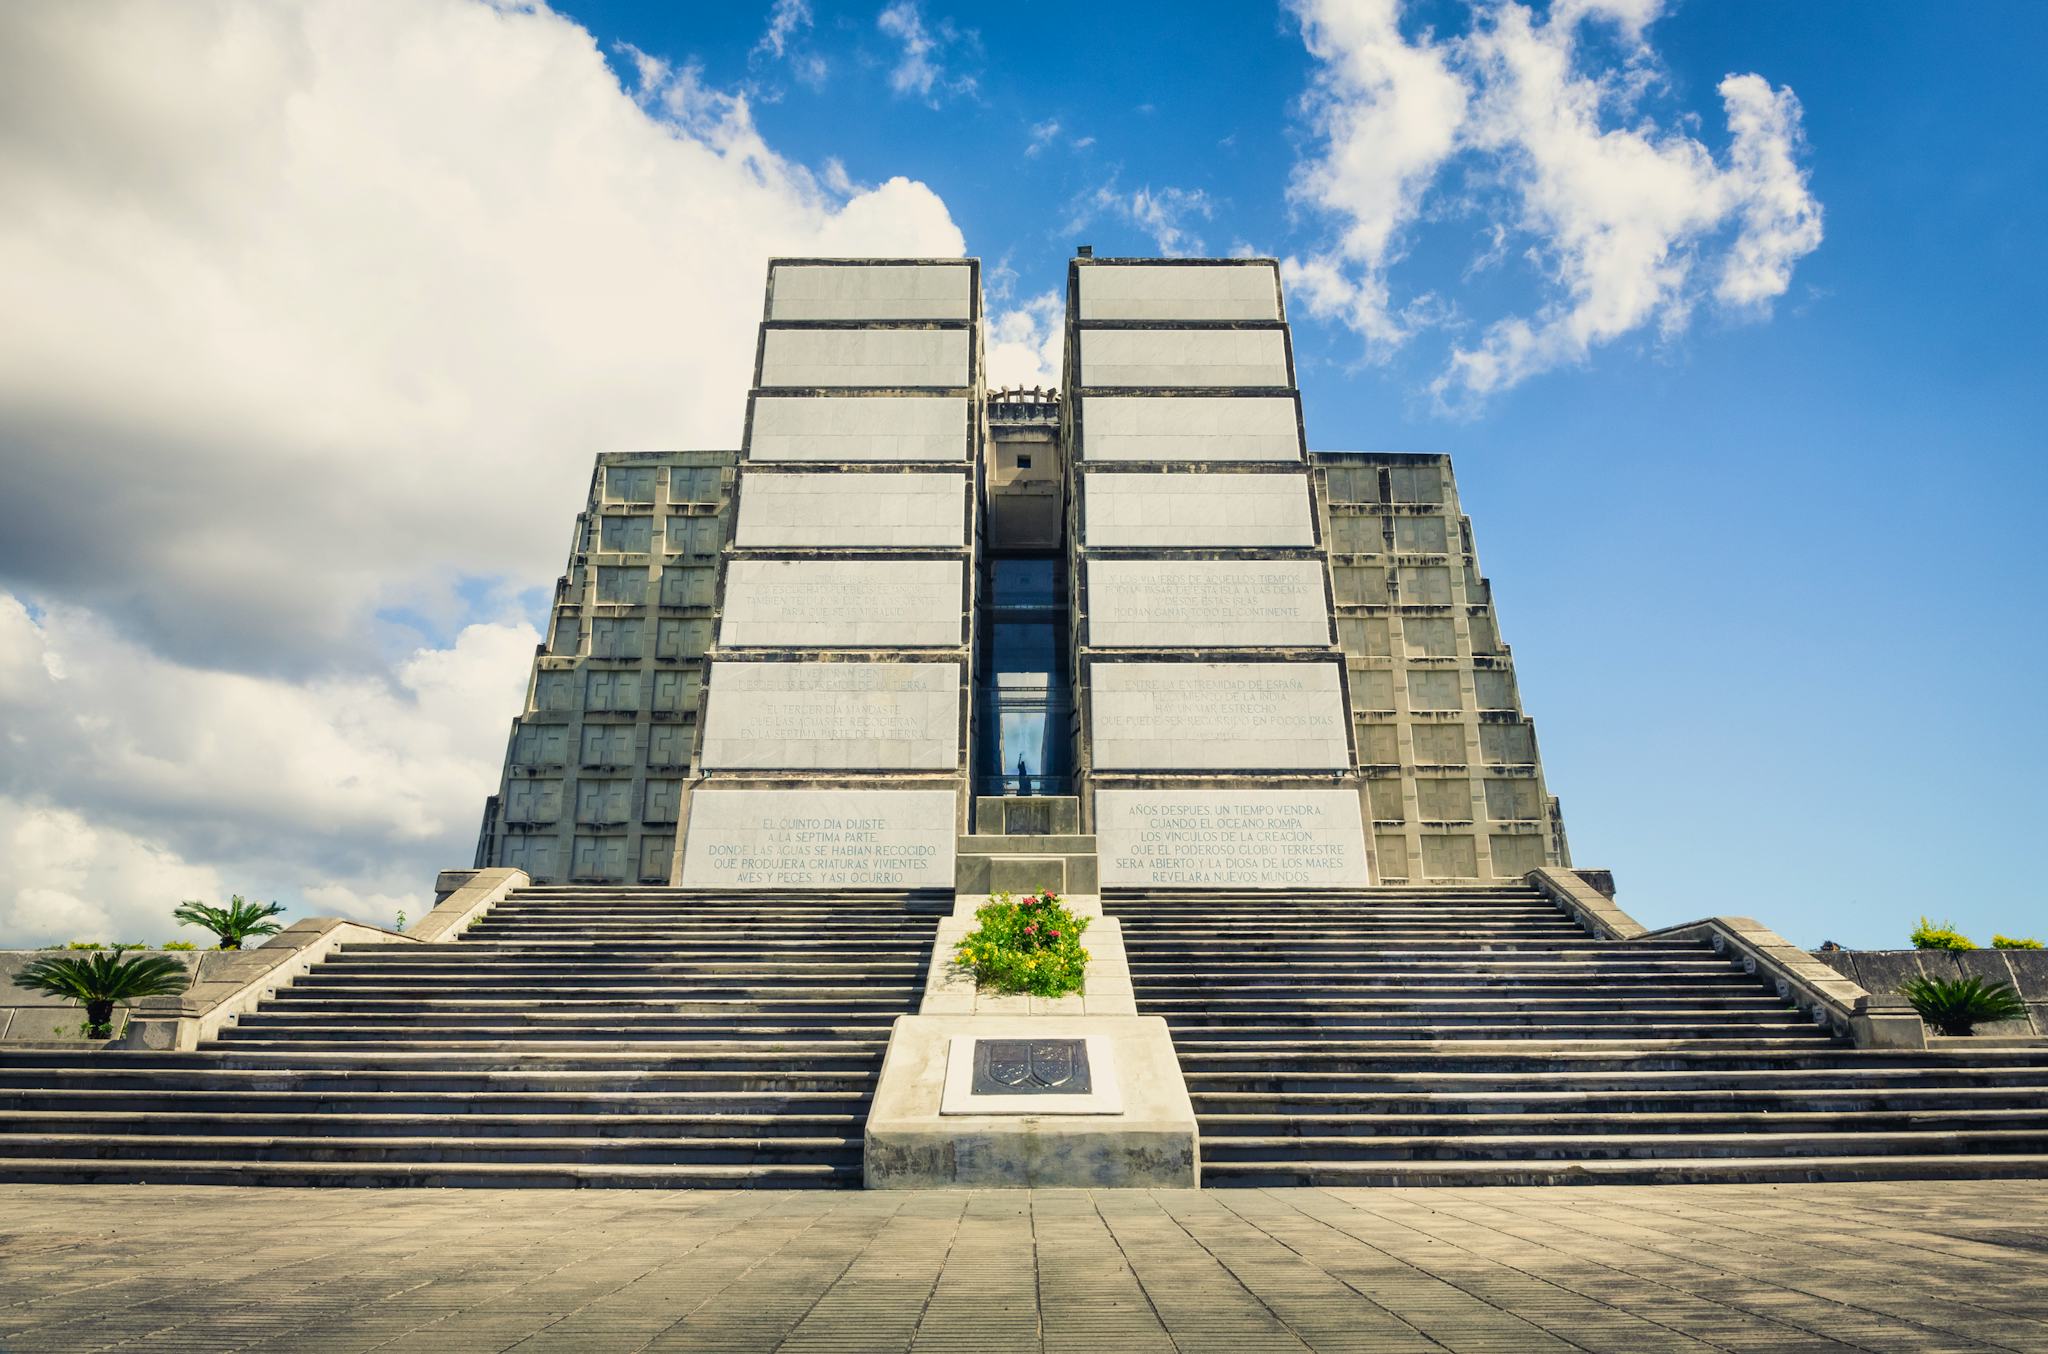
(98, 981)
(233, 924)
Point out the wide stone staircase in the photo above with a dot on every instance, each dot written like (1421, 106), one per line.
(1452, 1036)
(574, 1036)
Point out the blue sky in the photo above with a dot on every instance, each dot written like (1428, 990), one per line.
(322, 309)
(1771, 584)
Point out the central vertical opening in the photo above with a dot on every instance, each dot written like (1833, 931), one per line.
(1026, 700)
(1023, 690)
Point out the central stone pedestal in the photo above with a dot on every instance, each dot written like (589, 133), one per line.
(1146, 1141)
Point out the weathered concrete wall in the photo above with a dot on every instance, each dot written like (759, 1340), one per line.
(32, 1016)
(596, 761)
(835, 751)
(1885, 970)
(1214, 735)
(1454, 780)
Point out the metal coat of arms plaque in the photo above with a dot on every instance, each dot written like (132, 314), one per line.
(1031, 1067)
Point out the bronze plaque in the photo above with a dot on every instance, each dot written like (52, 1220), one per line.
(1031, 1067)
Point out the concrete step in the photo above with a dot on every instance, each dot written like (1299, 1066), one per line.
(549, 1102)
(1768, 1099)
(546, 1123)
(707, 1051)
(1223, 1129)
(1695, 1171)
(1658, 1074)
(343, 1023)
(471, 1147)
(436, 1175)
(506, 1075)
(1224, 1150)
(398, 1055)
(1366, 1034)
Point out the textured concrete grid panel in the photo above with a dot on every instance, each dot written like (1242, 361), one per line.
(859, 428)
(1217, 717)
(1253, 838)
(871, 291)
(1189, 428)
(865, 357)
(833, 716)
(853, 510)
(1170, 358)
(1165, 508)
(1180, 291)
(807, 839)
(1152, 604)
(842, 603)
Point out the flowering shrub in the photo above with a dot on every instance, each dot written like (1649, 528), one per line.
(1032, 944)
(1928, 936)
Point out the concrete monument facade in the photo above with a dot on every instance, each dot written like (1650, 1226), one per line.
(1271, 668)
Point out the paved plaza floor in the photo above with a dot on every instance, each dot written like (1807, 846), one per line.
(1907, 1267)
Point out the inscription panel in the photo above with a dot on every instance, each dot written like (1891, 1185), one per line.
(1184, 357)
(859, 428)
(1180, 291)
(1189, 428)
(1217, 717)
(884, 509)
(1165, 508)
(864, 357)
(871, 291)
(833, 716)
(820, 839)
(851, 604)
(1163, 604)
(1260, 839)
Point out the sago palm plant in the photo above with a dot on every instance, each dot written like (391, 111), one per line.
(1957, 1005)
(233, 924)
(98, 981)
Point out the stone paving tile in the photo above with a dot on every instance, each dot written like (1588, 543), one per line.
(1876, 1267)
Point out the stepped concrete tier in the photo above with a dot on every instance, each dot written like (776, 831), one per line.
(1479, 1036)
(573, 1036)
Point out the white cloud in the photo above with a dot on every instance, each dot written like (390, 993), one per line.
(316, 312)
(785, 20)
(297, 329)
(1162, 213)
(920, 68)
(1024, 344)
(1042, 134)
(1389, 112)
(281, 786)
(788, 21)
(1631, 224)
(63, 878)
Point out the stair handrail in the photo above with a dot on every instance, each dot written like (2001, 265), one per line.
(181, 1022)
(1839, 1004)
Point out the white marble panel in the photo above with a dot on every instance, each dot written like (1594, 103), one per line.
(1217, 717)
(906, 509)
(833, 717)
(859, 428)
(1189, 428)
(820, 839)
(1236, 839)
(864, 357)
(835, 603)
(1180, 291)
(871, 291)
(1184, 357)
(1179, 508)
(1164, 604)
